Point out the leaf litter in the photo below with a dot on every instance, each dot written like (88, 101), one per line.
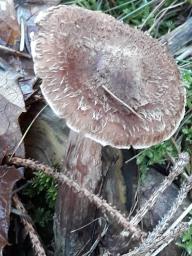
(17, 80)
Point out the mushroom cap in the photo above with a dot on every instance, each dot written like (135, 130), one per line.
(111, 82)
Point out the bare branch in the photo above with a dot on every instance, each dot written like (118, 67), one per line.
(36, 243)
(164, 239)
(15, 52)
(179, 37)
(154, 239)
(176, 170)
(137, 234)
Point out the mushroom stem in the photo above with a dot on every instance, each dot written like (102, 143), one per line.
(77, 186)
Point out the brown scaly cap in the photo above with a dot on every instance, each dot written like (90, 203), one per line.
(111, 82)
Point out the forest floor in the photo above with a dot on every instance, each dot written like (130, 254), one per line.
(29, 195)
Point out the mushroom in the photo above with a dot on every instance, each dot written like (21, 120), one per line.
(111, 82)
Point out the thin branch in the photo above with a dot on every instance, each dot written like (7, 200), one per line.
(179, 37)
(22, 38)
(35, 241)
(160, 228)
(27, 130)
(164, 240)
(176, 170)
(187, 52)
(154, 238)
(15, 52)
(137, 234)
(175, 224)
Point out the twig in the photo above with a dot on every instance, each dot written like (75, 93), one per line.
(174, 233)
(100, 203)
(36, 244)
(99, 237)
(179, 37)
(175, 224)
(15, 52)
(22, 39)
(154, 238)
(176, 170)
(135, 156)
(186, 53)
(27, 130)
(185, 188)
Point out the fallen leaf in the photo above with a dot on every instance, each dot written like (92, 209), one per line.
(8, 177)
(27, 12)
(9, 28)
(11, 106)
(24, 69)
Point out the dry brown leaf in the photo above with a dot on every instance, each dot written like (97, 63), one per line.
(27, 11)
(11, 106)
(8, 177)
(9, 28)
